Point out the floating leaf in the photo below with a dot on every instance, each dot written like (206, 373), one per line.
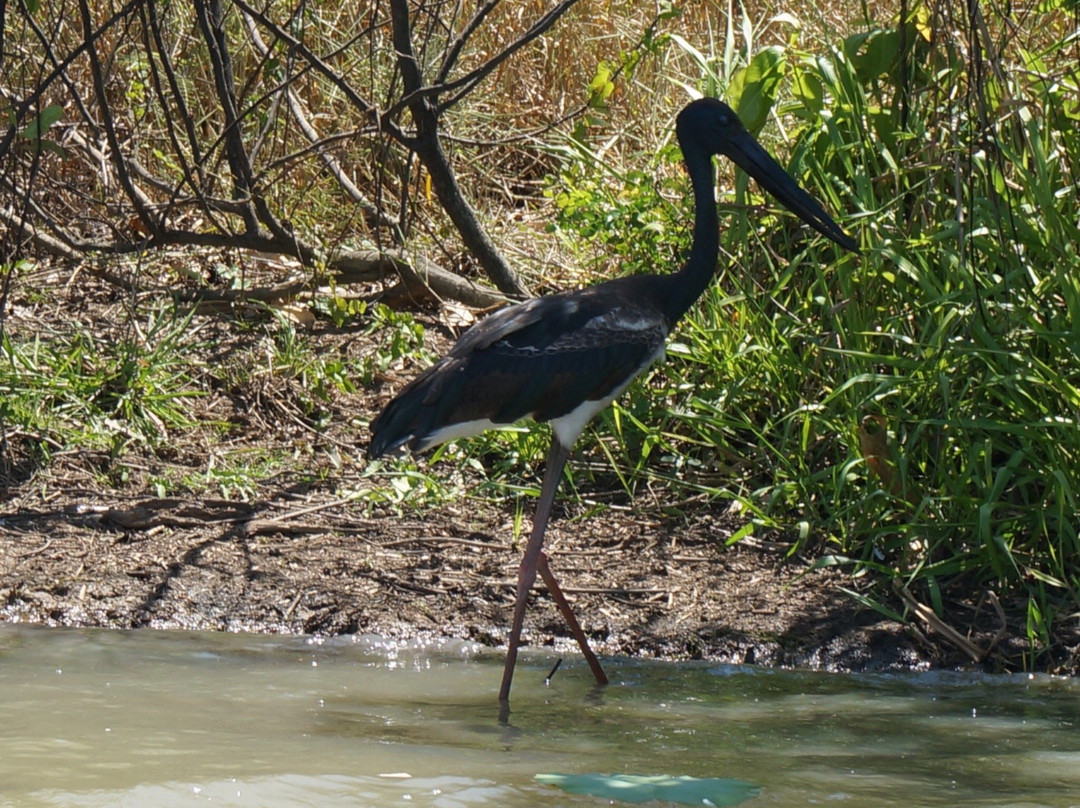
(643, 788)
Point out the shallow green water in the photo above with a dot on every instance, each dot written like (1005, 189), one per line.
(147, 718)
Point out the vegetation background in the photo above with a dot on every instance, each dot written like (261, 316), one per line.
(248, 178)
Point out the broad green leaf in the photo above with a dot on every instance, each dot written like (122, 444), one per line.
(873, 54)
(635, 788)
(753, 89)
(40, 125)
(807, 88)
(601, 87)
(924, 22)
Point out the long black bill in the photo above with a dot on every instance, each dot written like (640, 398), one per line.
(749, 155)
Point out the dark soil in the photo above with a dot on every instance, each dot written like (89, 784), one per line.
(313, 562)
(308, 564)
(83, 542)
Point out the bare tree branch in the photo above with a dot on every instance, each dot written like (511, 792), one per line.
(374, 214)
(456, 45)
(429, 150)
(153, 25)
(211, 21)
(461, 87)
(170, 125)
(324, 69)
(21, 110)
(420, 277)
(151, 221)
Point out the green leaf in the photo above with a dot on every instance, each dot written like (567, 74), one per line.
(602, 86)
(753, 89)
(808, 89)
(875, 53)
(636, 788)
(37, 127)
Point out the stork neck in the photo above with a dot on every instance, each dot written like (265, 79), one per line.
(697, 273)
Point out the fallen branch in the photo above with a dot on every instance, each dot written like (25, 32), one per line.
(927, 615)
(420, 278)
(425, 282)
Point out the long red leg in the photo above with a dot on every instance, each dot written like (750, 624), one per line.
(571, 620)
(556, 460)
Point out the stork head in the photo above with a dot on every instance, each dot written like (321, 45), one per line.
(710, 122)
(710, 125)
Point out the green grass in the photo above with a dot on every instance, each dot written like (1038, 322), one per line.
(79, 388)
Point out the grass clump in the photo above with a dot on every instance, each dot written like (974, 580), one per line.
(76, 387)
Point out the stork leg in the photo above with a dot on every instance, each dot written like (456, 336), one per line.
(531, 562)
(556, 460)
(571, 619)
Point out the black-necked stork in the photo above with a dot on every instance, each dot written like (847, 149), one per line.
(564, 357)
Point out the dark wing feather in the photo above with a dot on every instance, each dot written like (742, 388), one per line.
(541, 358)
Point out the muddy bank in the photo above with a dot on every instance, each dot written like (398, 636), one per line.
(310, 563)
